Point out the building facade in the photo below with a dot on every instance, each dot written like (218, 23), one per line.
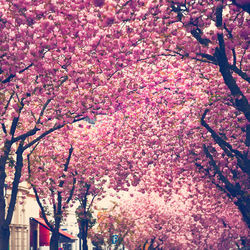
(25, 208)
(29, 232)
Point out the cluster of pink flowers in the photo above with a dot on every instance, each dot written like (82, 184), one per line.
(164, 82)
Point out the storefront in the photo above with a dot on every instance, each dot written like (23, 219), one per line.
(40, 236)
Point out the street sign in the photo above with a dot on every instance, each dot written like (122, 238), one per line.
(114, 238)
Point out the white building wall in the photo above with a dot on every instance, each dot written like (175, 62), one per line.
(20, 224)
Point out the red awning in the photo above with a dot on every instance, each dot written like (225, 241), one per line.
(62, 233)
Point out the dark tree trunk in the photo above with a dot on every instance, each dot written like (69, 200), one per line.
(84, 222)
(233, 191)
(54, 240)
(5, 219)
(243, 204)
(4, 227)
(4, 237)
(84, 234)
(84, 244)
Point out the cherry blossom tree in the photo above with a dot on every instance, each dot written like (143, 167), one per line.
(183, 222)
(59, 204)
(53, 180)
(160, 132)
(64, 61)
(207, 49)
(110, 223)
(61, 170)
(51, 75)
(84, 212)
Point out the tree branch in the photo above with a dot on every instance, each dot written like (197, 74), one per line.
(43, 110)
(227, 148)
(25, 135)
(239, 72)
(15, 183)
(211, 179)
(8, 79)
(234, 191)
(71, 192)
(36, 194)
(16, 119)
(66, 165)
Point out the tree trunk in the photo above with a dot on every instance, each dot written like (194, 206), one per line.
(54, 240)
(4, 228)
(84, 244)
(243, 204)
(4, 237)
(5, 218)
(84, 234)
